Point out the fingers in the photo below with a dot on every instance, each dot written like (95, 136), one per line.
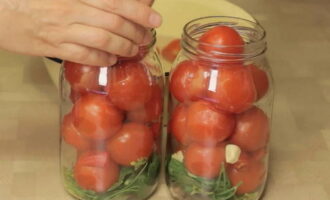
(84, 55)
(100, 39)
(133, 10)
(110, 22)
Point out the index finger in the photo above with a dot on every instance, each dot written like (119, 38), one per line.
(133, 10)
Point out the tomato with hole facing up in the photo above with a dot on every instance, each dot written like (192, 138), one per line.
(252, 130)
(152, 110)
(178, 122)
(82, 77)
(221, 39)
(247, 172)
(95, 117)
(171, 50)
(133, 142)
(96, 171)
(260, 79)
(204, 161)
(234, 89)
(189, 81)
(208, 125)
(128, 86)
(72, 136)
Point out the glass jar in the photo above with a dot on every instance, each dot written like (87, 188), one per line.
(111, 127)
(221, 99)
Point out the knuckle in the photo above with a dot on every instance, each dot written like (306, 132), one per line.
(116, 22)
(126, 48)
(100, 40)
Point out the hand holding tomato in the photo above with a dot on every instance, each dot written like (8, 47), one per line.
(134, 141)
(95, 117)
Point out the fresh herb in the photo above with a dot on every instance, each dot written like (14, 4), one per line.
(215, 189)
(132, 181)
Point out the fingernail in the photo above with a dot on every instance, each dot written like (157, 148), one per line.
(155, 19)
(112, 60)
(134, 50)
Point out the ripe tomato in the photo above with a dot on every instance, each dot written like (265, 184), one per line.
(133, 142)
(252, 130)
(156, 129)
(259, 155)
(222, 39)
(178, 124)
(260, 79)
(234, 90)
(75, 95)
(128, 86)
(189, 81)
(247, 171)
(152, 110)
(204, 161)
(171, 50)
(207, 125)
(95, 171)
(72, 136)
(82, 77)
(95, 117)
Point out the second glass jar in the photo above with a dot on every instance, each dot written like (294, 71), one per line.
(220, 109)
(111, 127)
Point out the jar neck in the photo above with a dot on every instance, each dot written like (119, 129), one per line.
(252, 33)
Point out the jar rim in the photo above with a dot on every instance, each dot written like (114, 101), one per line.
(185, 29)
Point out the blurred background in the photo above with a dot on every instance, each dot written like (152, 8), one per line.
(298, 34)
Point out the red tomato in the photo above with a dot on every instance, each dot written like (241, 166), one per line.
(171, 50)
(178, 122)
(204, 161)
(75, 95)
(207, 125)
(82, 77)
(72, 136)
(152, 110)
(248, 172)
(259, 155)
(95, 117)
(189, 81)
(252, 130)
(156, 129)
(234, 90)
(133, 142)
(128, 86)
(95, 171)
(260, 80)
(221, 39)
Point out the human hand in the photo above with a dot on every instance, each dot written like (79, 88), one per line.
(83, 31)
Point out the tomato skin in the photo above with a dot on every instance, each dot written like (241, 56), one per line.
(156, 129)
(152, 110)
(235, 91)
(221, 39)
(252, 130)
(178, 124)
(189, 81)
(207, 125)
(72, 136)
(204, 161)
(260, 79)
(95, 117)
(171, 50)
(259, 155)
(82, 77)
(247, 171)
(133, 142)
(95, 171)
(128, 85)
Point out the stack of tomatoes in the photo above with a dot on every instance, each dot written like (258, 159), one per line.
(216, 108)
(115, 119)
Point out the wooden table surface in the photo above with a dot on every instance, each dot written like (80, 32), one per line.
(299, 46)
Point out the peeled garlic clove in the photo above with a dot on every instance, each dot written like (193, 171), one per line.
(233, 153)
(178, 156)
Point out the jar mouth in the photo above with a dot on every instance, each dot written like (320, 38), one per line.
(251, 32)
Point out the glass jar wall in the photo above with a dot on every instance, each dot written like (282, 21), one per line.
(111, 127)
(221, 99)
